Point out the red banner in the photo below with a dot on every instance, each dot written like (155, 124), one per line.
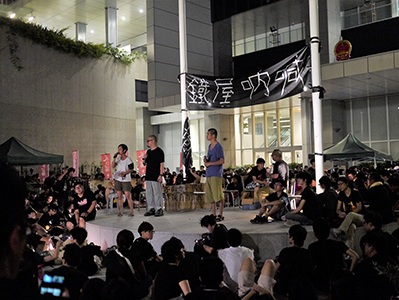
(75, 162)
(43, 172)
(140, 154)
(106, 162)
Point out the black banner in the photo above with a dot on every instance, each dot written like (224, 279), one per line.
(187, 159)
(284, 79)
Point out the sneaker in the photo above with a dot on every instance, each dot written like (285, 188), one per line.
(256, 220)
(120, 215)
(159, 213)
(151, 212)
(283, 218)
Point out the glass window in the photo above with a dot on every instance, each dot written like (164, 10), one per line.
(360, 120)
(259, 155)
(247, 131)
(287, 157)
(297, 126)
(271, 121)
(259, 138)
(247, 157)
(378, 119)
(393, 110)
(395, 150)
(238, 158)
(285, 127)
(382, 146)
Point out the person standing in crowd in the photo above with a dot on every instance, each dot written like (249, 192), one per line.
(214, 173)
(124, 167)
(280, 168)
(154, 160)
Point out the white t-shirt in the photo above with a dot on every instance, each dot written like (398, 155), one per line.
(233, 258)
(123, 166)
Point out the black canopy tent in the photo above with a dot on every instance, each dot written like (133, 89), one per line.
(14, 152)
(351, 149)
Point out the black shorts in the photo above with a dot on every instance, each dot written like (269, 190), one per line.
(91, 216)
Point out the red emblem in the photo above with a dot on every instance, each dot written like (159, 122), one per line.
(343, 50)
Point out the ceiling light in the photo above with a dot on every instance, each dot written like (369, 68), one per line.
(92, 31)
(123, 18)
(141, 10)
(12, 16)
(30, 19)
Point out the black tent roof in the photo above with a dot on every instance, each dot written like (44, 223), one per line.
(14, 152)
(350, 148)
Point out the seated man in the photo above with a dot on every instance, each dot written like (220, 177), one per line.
(88, 252)
(127, 264)
(236, 186)
(233, 257)
(74, 279)
(375, 276)
(276, 204)
(211, 277)
(152, 261)
(213, 240)
(51, 220)
(294, 262)
(256, 179)
(84, 204)
(328, 255)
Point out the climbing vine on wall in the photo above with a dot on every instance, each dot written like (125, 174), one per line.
(56, 39)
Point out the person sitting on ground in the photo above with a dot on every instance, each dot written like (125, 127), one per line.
(211, 277)
(74, 279)
(373, 224)
(328, 255)
(127, 264)
(51, 220)
(377, 198)
(293, 262)
(171, 281)
(276, 204)
(90, 253)
(233, 257)
(307, 209)
(84, 204)
(257, 179)
(213, 240)
(376, 276)
(99, 195)
(328, 200)
(236, 186)
(152, 261)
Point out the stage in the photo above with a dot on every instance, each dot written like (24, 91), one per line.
(266, 239)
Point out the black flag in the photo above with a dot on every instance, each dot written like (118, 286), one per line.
(187, 158)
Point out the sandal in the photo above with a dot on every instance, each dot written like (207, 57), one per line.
(219, 218)
(256, 220)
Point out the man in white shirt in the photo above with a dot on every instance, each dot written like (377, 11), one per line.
(124, 167)
(233, 257)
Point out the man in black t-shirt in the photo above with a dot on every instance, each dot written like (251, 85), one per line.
(154, 159)
(278, 204)
(280, 168)
(84, 204)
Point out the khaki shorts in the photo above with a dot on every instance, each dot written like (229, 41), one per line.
(123, 186)
(213, 189)
(246, 282)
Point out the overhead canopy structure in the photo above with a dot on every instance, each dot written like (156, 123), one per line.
(350, 149)
(14, 152)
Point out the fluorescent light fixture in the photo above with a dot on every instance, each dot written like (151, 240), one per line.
(12, 16)
(141, 10)
(123, 18)
(92, 31)
(30, 19)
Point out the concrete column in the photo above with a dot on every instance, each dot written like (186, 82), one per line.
(80, 31)
(307, 124)
(111, 26)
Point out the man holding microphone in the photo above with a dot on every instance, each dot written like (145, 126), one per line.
(124, 167)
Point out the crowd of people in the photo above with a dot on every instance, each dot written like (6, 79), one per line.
(48, 229)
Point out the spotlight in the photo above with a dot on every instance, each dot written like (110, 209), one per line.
(12, 16)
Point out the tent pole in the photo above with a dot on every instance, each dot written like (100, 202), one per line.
(316, 89)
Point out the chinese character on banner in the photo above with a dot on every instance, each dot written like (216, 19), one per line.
(43, 172)
(140, 154)
(106, 162)
(75, 162)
